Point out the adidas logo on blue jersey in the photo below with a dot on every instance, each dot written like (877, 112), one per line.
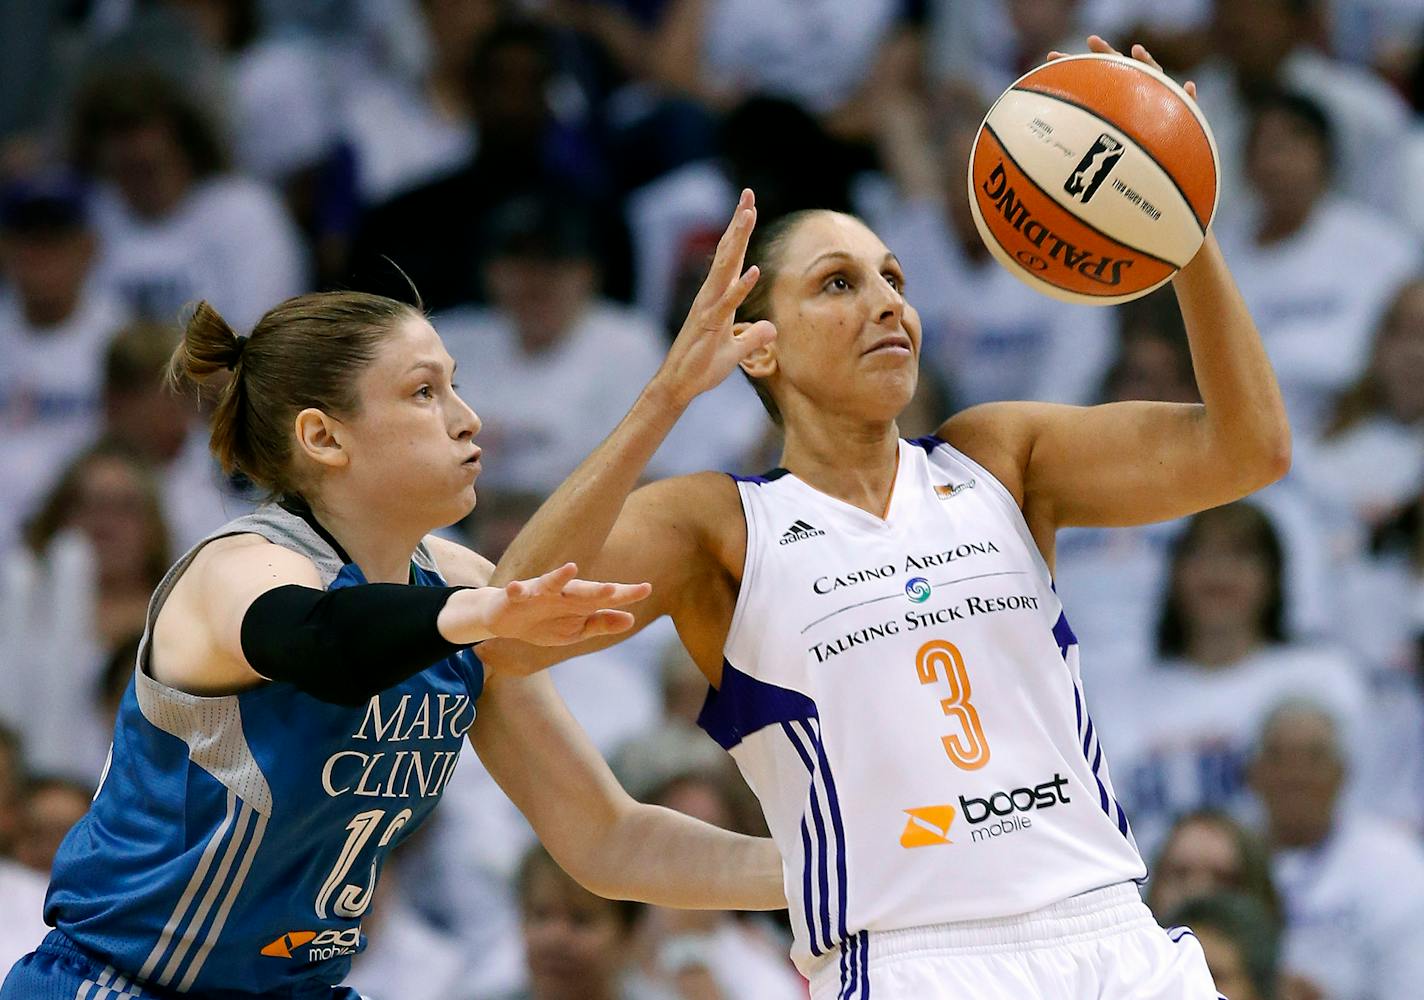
(799, 531)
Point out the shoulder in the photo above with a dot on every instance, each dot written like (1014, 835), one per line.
(699, 500)
(998, 436)
(460, 566)
(244, 564)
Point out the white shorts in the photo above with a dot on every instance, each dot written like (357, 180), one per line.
(1102, 945)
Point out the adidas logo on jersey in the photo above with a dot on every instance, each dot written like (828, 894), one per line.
(799, 531)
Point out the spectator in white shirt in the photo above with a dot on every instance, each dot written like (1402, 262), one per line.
(54, 321)
(406, 131)
(78, 589)
(1353, 886)
(1178, 735)
(1266, 45)
(1370, 463)
(174, 225)
(1317, 270)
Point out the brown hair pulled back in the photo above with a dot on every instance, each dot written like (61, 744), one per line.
(305, 353)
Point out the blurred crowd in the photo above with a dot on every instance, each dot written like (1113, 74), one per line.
(550, 176)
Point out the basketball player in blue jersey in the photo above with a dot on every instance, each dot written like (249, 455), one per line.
(890, 664)
(306, 681)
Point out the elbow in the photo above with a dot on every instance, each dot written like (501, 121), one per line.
(1269, 460)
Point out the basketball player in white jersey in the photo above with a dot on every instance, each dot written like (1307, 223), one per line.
(890, 663)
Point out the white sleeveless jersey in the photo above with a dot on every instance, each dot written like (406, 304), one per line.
(903, 697)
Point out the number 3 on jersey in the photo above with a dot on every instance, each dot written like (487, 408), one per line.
(936, 657)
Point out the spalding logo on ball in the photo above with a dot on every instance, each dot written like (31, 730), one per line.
(1094, 179)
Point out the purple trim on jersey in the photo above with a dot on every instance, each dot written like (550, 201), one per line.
(1109, 804)
(1063, 635)
(929, 442)
(744, 705)
(836, 822)
(813, 858)
(749, 479)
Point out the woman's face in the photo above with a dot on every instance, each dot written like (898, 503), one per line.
(1222, 580)
(847, 341)
(111, 510)
(410, 449)
(1199, 859)
(1399, 361)
(1286, 165)
(573, 940)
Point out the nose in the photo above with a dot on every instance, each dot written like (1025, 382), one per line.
(890, 305)
(466, 422)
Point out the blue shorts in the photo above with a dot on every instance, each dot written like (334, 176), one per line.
(60, 970)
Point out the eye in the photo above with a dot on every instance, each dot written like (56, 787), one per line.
(454, 386)
(838, 283)
(894, 281)
(425, 392)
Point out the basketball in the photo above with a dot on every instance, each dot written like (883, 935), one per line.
(1093, 179)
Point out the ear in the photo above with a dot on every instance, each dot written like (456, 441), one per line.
(761, 362)
(319, 438)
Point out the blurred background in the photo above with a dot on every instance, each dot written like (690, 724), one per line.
(552, 176)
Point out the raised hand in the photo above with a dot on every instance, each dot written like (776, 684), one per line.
(1096, 43)
(706, 349)
(550, 610)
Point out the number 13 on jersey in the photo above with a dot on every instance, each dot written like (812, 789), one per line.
(938, 660)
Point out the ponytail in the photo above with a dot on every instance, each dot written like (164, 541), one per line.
(209, 347)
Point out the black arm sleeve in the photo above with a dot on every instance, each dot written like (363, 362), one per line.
(343, 646)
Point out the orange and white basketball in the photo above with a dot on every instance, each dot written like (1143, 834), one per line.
(1094, 178)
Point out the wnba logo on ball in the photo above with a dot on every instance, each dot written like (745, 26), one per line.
(1094, 168)
(918, 590)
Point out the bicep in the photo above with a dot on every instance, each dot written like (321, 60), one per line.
(1112, 465)
(198, 634)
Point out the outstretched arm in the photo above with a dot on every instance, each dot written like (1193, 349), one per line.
(611, 844)
(1138, 462)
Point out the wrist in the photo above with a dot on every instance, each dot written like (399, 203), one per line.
(663, 398)
(465, 618)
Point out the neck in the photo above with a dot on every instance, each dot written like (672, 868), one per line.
(381, 546)
(849, 459)
(1223, 647)
(1296, 836)
(1282, 223)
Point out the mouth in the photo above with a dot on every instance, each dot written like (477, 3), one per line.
(473, 462)
(895, 343)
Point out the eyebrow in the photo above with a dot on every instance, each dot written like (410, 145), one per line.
(829, 254)
(433, 366)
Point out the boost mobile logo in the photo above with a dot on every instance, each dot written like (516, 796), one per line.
(327, 944)
(1094, 168)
